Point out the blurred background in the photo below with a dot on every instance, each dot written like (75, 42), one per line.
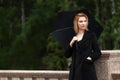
(25, 25)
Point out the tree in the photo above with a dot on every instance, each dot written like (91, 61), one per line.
(25, 25)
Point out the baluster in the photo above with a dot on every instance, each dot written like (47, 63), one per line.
(3, 78)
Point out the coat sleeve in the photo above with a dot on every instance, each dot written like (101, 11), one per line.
(96, 52)
(68, 52)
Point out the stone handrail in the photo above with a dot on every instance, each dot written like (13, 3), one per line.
(107, 68)
(34, 74)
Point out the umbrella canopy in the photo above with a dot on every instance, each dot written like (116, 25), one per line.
(63, 36)
(63, 26)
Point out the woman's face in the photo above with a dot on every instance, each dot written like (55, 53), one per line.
(82, 23)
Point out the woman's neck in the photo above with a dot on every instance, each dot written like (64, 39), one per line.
(80, 35)
(81, 32)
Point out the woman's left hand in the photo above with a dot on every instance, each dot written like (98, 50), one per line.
(89, 58)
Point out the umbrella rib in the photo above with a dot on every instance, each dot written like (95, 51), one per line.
(62, 29)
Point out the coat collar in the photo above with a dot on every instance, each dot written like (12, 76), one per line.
(85, 36)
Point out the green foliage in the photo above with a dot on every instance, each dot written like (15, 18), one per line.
(25, 25)
(55, 59)
(111, 23)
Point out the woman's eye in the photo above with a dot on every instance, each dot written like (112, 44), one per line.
(80, 21)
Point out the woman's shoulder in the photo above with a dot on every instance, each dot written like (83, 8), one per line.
(91, 33)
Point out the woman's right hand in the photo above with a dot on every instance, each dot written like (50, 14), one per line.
(73, 40)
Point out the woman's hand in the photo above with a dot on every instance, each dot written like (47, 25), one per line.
(73, 40)
(89, 58)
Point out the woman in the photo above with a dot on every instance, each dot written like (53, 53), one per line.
(84, 50)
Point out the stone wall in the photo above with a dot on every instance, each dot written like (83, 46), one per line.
(108, 66)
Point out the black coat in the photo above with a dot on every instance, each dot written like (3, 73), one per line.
(81, 68)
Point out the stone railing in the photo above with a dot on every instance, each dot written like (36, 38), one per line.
(33, 75)
(107, 68)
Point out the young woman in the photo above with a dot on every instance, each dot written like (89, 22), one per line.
(84, 50)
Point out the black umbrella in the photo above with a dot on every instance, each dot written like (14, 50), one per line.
(63, 36)
(63, 26)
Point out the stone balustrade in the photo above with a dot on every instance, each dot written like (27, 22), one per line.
(33, 75)
(107, 68)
